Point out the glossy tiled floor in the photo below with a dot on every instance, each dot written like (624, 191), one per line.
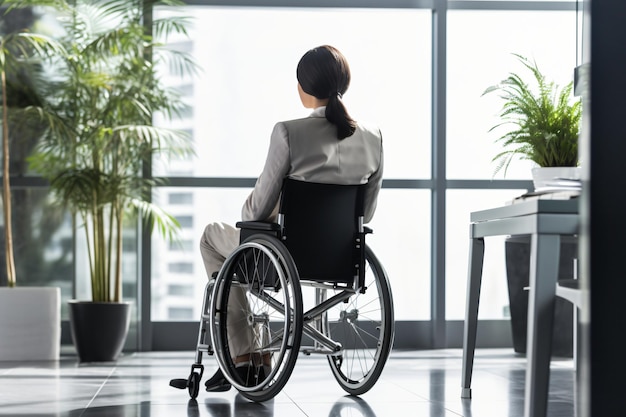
(414, 383)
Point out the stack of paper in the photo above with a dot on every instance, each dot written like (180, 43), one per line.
(560, 184)
(558, 189)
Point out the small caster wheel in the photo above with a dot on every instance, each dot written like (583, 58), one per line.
(193, 385)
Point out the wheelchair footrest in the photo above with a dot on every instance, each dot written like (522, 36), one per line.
(179, 383)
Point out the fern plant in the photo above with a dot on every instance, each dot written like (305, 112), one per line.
(545, 120)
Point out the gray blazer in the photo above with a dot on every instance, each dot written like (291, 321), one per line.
(308, 150)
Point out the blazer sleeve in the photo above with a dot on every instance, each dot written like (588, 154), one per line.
(374, 183)
(264, 198)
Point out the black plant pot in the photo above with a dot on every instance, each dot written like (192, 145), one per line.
(517, 253)
(99, 329)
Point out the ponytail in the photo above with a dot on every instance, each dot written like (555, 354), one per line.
(337, 114)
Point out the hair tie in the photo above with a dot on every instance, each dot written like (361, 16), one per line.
(339, 94)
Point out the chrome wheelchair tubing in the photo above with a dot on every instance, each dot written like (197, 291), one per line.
(201, 346)
(278, 306)
(321, 308)
(357, 285)
(275, 304)
(319, 338)
(314, 314)
(326, 285)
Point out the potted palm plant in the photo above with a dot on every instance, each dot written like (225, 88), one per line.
(545, 120)
(99, 110)
(29, 316)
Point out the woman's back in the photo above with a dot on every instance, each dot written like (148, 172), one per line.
(316, 155)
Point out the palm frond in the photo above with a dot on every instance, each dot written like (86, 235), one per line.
(158, 138)
(179, 63)
(164, 28)
(157, 219)
(122, 9)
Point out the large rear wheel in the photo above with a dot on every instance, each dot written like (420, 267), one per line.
(256, 311)
(364, 325)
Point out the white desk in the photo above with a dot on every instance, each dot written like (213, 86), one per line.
(545, 221)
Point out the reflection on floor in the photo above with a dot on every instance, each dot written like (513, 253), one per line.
(414, 383)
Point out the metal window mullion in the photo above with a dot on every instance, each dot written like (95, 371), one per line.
(438, 201)
(144, 292)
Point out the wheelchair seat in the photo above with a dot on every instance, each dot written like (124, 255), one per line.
(317, 244)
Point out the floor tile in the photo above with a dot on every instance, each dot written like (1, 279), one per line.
(414, 383)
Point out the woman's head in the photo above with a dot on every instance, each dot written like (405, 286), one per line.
(323, 72)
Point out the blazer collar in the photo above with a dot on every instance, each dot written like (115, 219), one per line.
(319, 112)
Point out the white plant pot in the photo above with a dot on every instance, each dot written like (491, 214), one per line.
(546, 176)
(30, 323)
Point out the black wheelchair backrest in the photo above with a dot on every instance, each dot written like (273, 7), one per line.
(322, 226)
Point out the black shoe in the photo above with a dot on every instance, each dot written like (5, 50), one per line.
(251, 375)
(217, 383)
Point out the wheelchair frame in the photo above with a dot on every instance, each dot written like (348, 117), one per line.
(356, 341)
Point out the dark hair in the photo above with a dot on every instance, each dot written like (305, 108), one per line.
(323, 72)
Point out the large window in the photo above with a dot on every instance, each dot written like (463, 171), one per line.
(247, 84)
(480, 50)
(178, 263)
(480, 47)
(494, 287)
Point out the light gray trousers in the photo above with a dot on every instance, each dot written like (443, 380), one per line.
(218, 241)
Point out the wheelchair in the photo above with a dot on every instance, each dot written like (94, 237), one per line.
(317, 245)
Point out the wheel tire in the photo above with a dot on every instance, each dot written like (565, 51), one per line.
(364, 325)
(257, 294)
(193, 385)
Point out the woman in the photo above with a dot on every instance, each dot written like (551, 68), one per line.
(327, 147)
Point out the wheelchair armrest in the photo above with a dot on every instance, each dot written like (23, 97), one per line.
(257, 225)
(249, 229)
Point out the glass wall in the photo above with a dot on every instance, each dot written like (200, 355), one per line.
(494, 287)
(247, 83)
(178, 274)
(480, 54)
(480, 48)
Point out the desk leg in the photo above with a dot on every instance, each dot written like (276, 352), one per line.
(475, 271)
(544, 268)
